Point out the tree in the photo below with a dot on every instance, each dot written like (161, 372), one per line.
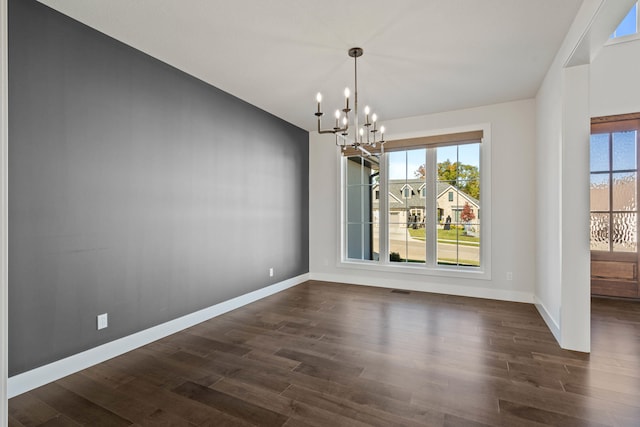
(464, 177)
(467, 213)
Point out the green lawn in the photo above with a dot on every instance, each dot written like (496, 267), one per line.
(444, 235)
(467, 262)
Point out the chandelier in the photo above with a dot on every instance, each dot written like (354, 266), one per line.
(361, 137)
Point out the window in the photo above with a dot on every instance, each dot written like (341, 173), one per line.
(614, 193)
(407, 191)
(362, 220)
(440, 230)
(613, 189)
(629, 25)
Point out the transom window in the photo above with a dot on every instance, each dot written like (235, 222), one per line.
(629, 25)
(387, 225)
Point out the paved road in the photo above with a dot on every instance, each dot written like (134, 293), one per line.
(400, 241)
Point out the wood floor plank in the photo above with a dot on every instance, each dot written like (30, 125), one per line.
(180, 406)
(27, 410)
(231, 405)
(329, 354)
(543, 416)
(78, 408)
(258, 396)
(60, 421)
(160, 418)
(134, 410)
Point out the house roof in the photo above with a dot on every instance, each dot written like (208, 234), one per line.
(397, 200)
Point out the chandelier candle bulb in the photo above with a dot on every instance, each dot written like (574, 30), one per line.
(347, 93)
(319, 99)
(337, 119)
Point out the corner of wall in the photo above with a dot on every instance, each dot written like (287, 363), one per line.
(553, 326)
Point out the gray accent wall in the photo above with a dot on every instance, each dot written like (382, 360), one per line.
(135, 190)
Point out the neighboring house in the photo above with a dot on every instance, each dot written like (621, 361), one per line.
(407, 203)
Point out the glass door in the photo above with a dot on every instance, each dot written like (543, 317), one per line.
(613, 207)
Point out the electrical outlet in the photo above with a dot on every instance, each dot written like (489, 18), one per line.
(271, 272)
(103, 321)
(509, 275)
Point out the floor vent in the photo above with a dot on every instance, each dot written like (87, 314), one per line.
(400, 291)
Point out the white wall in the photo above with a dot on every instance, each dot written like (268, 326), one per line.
(512, 205)
(575, 312)
(615, 80)
(548, 159)
(562, 166)
(552, 168)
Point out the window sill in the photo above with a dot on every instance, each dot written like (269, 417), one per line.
(623, 39)
(438, 271)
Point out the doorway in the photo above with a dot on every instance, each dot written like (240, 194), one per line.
(614, 205)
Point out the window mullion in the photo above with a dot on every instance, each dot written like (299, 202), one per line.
(383, 217)
(431, 205)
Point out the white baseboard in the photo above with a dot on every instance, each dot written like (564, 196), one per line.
(548, 319)
(437, 288)
(29, 380)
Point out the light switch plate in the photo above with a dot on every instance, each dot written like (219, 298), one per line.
(103, 321)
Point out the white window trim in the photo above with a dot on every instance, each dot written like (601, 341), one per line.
(623, 39)
(482, 273)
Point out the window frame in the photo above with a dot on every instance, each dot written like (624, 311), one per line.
(422, 191)
(482, 272)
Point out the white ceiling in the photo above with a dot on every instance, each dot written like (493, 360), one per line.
(420, 56)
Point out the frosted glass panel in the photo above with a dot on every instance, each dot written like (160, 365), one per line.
(624, 232)
(624, 191)
(599, 191)
(624, 150)
(599, 232)
(599, 152)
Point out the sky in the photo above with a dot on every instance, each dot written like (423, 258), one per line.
(624, 151)
(403, 166)
(629, 24)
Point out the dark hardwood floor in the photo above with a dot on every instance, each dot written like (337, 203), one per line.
(326, 354)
